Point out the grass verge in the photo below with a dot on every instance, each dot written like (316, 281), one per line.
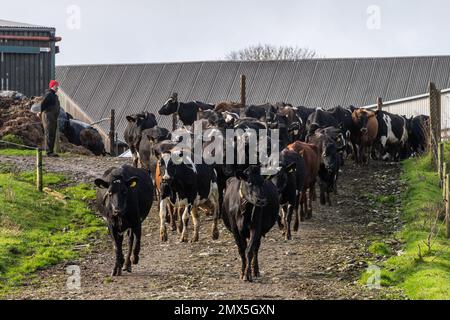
(421, 269)
(36, 230)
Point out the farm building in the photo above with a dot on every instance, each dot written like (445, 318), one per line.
(89, 92)
(27, 57)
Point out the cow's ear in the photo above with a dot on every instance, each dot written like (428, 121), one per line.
(101, 183)
(241, 175)
(132, 182)
(291, 167)
(131, 119)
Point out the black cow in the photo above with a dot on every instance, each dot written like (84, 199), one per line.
(329, 165)
(289, 181)
(392, 138)
(251, 208)
(189, 186)
(124, 199)
(133, 132)
(418, 133)
(261, 112)
(187, 112)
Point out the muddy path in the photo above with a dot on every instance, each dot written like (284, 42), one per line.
(323, 261)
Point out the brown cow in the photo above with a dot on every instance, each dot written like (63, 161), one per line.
(228, 106)
(310, 154)
(365, 134)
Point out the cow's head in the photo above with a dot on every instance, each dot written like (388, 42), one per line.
(361, 119)
(116, 193)
(329, 154)
(170, 106)
(143, 120)
(280, 177)
(251, 188)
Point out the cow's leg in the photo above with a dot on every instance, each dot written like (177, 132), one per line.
(185, 219)
(242, 245)
(309, 201)
(287, 223)
(134, 156)
(127, 264)
(162, 220)
(215, 229)
(172, 220)
(196, 223)
(180, 221)
(249, 253)
(280, 220)
(322, 188)
(255, 264)
(137, 231)
(118, 240)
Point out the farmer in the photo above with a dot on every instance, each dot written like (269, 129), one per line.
(49, 114)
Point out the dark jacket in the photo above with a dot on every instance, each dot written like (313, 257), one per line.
(50, 101)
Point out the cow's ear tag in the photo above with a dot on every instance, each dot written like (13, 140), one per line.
(133, 184)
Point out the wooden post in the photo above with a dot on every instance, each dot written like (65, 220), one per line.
(39, 184)
(379, 104)
(174, 121)
(434, 123)
(112, 132)
(441, 161)
(447, 208)
(243, 94)
(444, 174)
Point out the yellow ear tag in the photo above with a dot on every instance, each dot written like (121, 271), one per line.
(133, 184)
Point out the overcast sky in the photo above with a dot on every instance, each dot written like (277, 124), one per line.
(135, 31)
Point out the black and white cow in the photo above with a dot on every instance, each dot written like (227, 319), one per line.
(251, 208)
(187, 112)
(124, 199)
(133, 132)
(392, 139)
(189, 186)
(147, 156)
(260, 112)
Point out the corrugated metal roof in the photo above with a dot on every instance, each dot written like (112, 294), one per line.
(317, 82)
(20, 25)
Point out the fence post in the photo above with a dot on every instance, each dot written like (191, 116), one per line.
(112, 132)
(39, 169)
(435, 119)
(243, 95)
(444, 174)
(379, 104)
(447, 207)
(441, 161)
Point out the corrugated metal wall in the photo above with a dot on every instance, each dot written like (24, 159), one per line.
(25, 72)
(322, 83)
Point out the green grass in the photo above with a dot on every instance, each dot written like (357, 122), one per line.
(420, 270)
(36, 230)
(17, 152)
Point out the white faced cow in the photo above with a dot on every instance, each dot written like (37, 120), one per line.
(187, 186)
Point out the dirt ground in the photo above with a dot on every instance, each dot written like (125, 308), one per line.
(323, 261)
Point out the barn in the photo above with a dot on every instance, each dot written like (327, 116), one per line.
(89, 92)
(27, 57)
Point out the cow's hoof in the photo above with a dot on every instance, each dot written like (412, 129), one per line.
(127, 266)
(117, 271)
(163, 236)
(184, 239)
(295, 227)
(135, 259)
(194, 239)
(256, 273)
(288, 237)
(248, 278)
(215, 234)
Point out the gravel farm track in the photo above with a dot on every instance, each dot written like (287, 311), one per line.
(323, 261)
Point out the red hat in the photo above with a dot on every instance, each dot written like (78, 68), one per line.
(53, 83)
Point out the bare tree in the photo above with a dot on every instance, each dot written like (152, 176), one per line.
(271, 52)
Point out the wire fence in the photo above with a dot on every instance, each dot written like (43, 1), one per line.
(39, 171)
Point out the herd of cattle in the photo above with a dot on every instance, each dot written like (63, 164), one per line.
(314, 144)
